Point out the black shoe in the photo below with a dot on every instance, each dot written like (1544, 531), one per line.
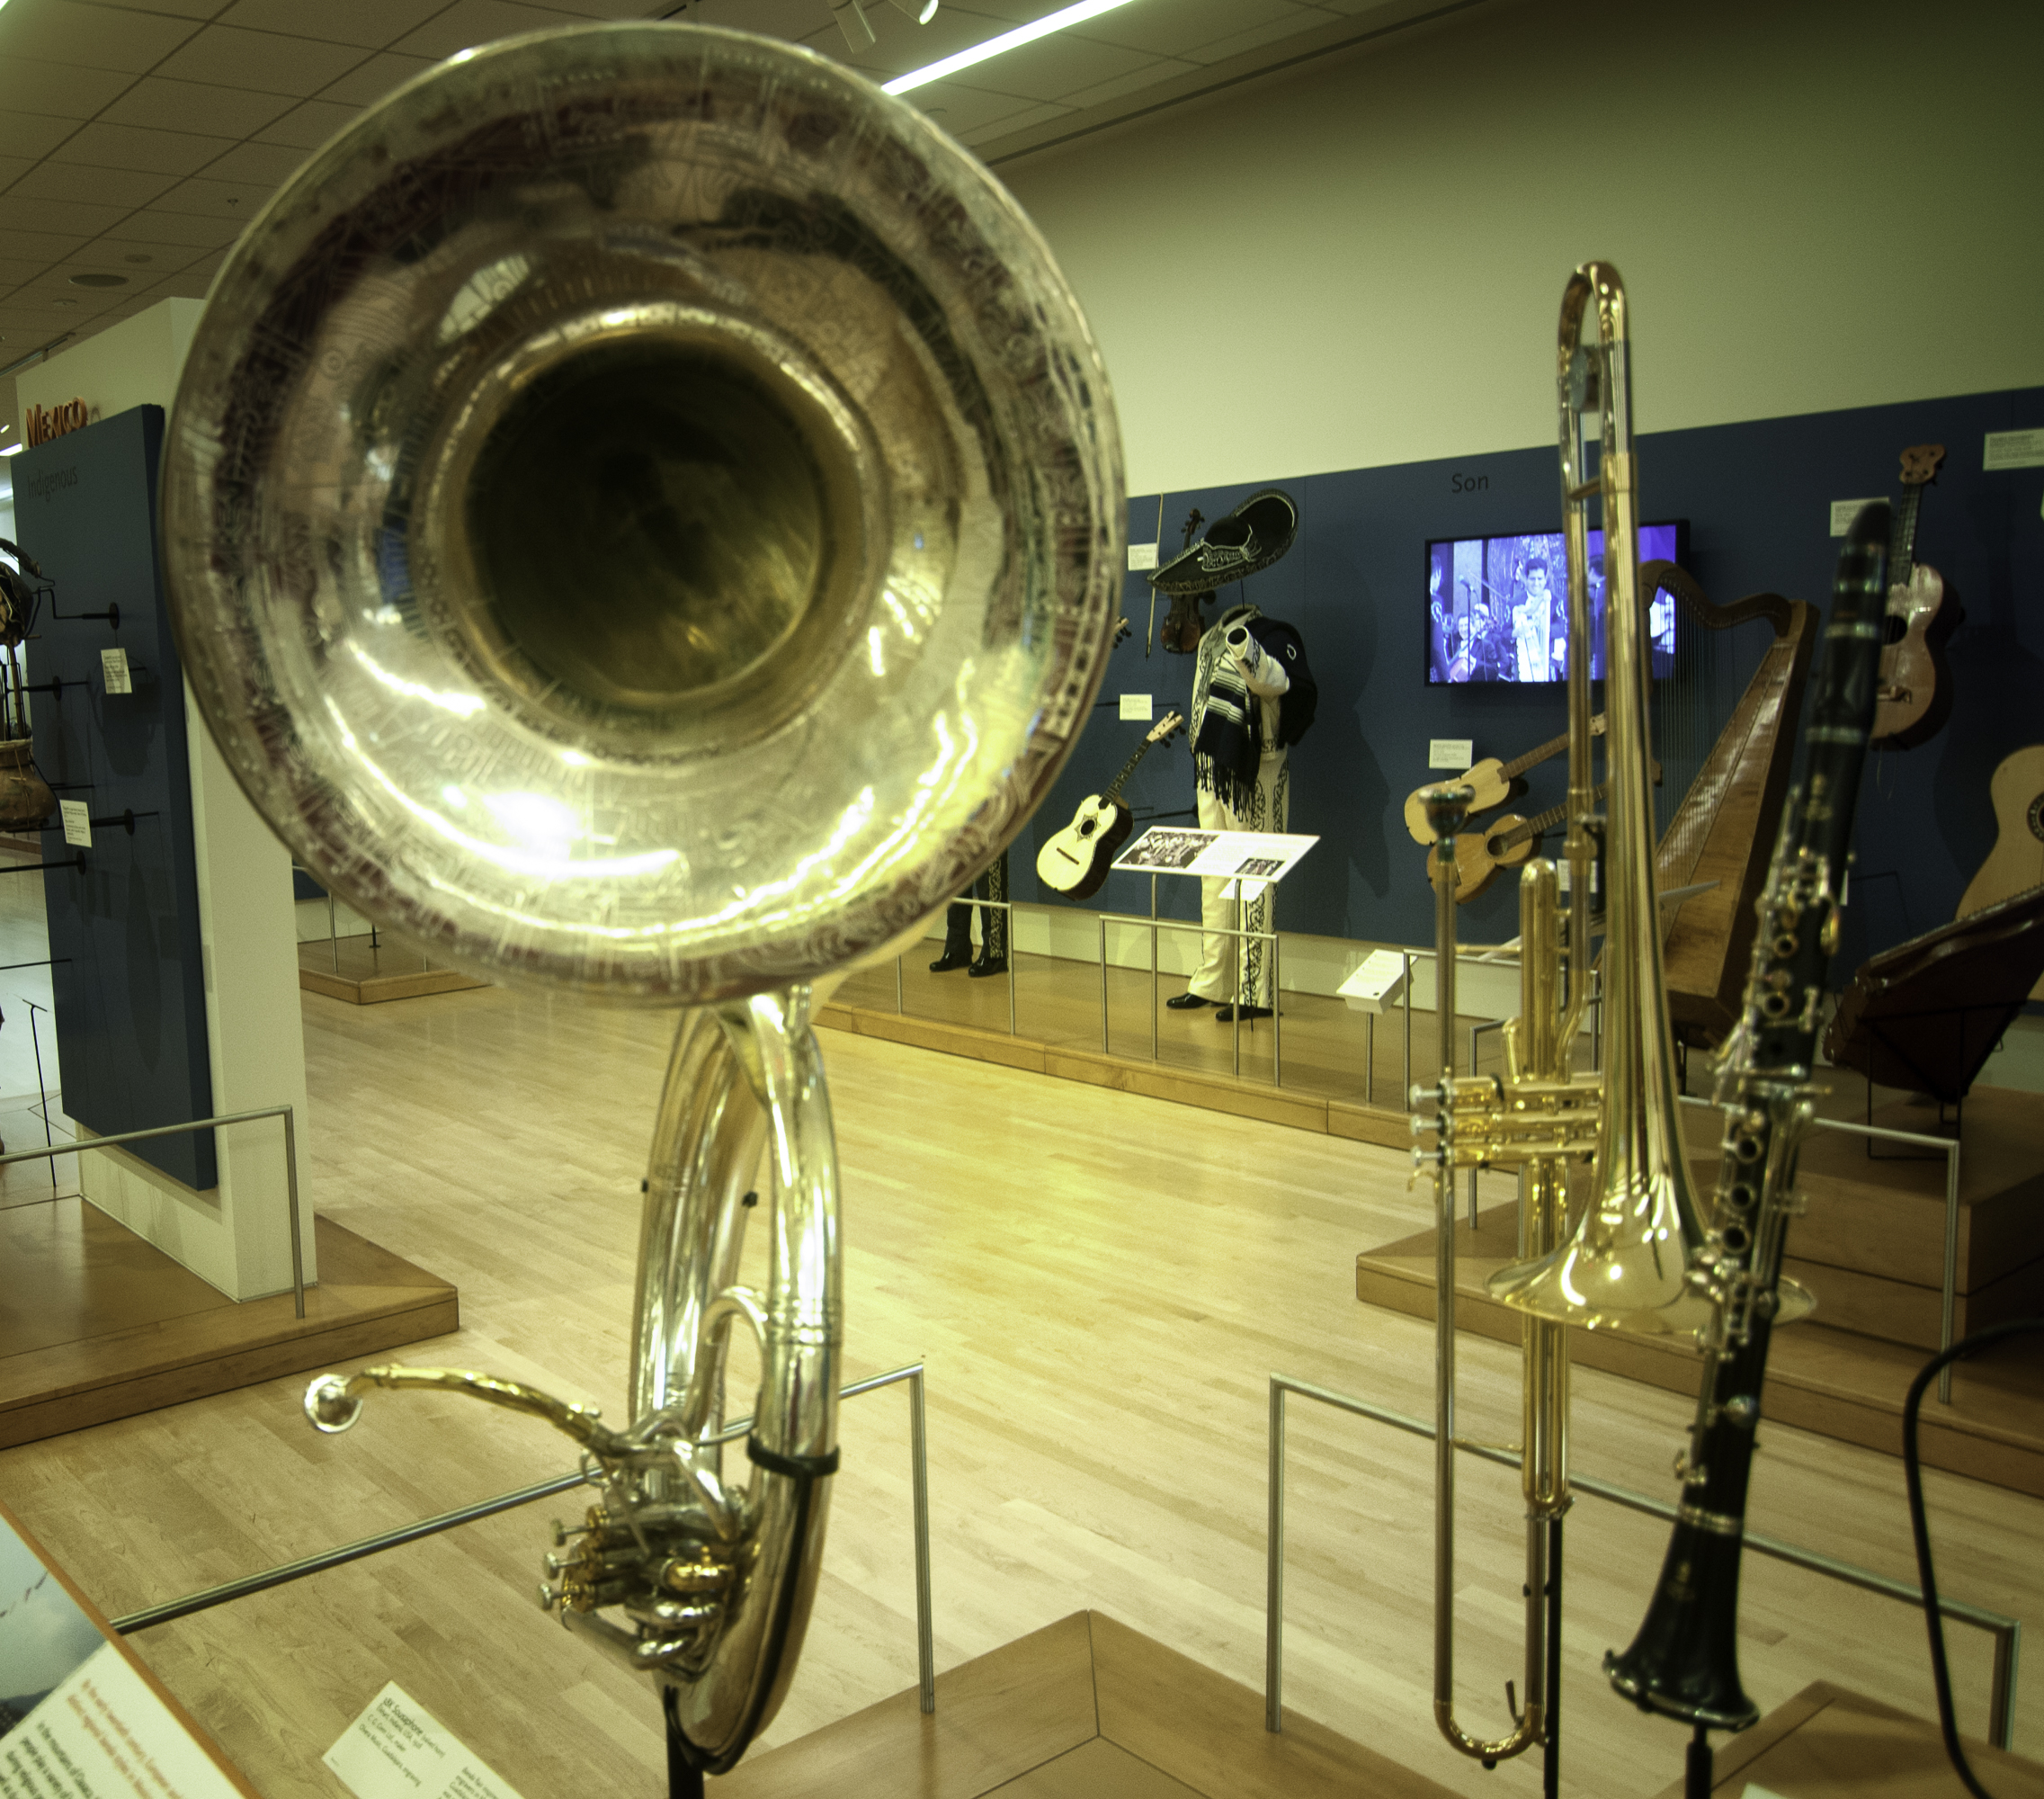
(1187, 1002)
(951, 959)
(987, 965)
(1226, 1015)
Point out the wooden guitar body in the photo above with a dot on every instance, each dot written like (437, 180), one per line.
(2016, 863)
(1915, 700)
(1492, 787)
(1479, 854)
(1075, 863)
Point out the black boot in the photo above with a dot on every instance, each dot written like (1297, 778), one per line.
(958, 940)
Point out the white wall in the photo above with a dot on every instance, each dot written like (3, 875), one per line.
(235, 1236)
(1813, 206)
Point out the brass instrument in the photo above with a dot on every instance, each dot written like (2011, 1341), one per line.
(1685, 1660)
(643, 516)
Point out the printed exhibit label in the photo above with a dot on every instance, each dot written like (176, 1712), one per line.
(1141, 556)
(1451, 752)
(398, 1750)
(78, 823)
(2013, 450)
(113, 663)
(103, 1734)
(1141, 707)
(1843, 513)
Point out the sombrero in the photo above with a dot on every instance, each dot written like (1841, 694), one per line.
(1252, 537)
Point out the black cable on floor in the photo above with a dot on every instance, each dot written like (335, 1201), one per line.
(1919, 1526)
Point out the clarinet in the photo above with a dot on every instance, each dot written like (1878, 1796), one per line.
(1684, 1661)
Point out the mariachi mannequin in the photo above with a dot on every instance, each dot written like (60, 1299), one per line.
(1245, 668)
(992, 957)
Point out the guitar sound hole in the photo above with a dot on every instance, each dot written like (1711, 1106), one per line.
(1085, 830)
(1897, 628)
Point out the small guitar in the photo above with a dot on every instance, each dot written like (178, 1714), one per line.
(1494, 782)
(2016, 863)
(1074, 861)
(1914, 699)
(1512, 840)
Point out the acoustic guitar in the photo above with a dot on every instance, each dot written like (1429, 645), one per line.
(1075, 863)
(1512, 840)
(1914, 696)
(2016, 863)
(1494, 782)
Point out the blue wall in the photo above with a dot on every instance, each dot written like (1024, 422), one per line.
(128, 978)
(1758, 498)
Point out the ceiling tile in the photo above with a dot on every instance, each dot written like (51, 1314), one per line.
(57, 216)
(368, 23)
(11, 169)
(237, 200)
(178, 106)
(1054, 66)
(375, 78)
(56, 89)
(95, 186)
(618, 9)
(130, 146)
(26, 135)
(958, 109)
(911, 45)
(264, 61)
(789, 19)
(179, 9)
(309, 125)
(140, 263)
(1185, 24)
(266, 165)
(1269, 32)
(191, 229)
(14, 271)
(1008, 12)
(1021, 122)
(42, 246)
(470, 22)
(1148, 75)
(92, 37)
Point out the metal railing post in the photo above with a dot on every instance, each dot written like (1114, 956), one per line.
(919, 1463)
(2006, 1632)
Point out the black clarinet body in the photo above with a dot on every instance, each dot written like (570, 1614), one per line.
(1685, 1660)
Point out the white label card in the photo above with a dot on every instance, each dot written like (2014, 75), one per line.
(114, 662)
(1843, 513)
(398, 1750)
(1377, 982)
(1141, 707)
(103, 1733)
(78, 823)
(1451, 752)
(1141, 556)
(2013, 450)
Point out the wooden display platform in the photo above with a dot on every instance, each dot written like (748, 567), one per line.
(101, 1325)
(1826, 1743)
(1084, 1706)
(369, 974)
(1836, 1382)
(1871, 1242)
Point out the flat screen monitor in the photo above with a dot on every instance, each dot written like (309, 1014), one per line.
(1497, 607)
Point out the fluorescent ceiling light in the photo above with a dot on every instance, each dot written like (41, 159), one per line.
(12, 449)
(1008, 40)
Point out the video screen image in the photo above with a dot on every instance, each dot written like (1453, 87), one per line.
(1497, 607)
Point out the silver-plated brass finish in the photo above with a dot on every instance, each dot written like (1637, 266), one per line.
(643, 510)
(644, 514)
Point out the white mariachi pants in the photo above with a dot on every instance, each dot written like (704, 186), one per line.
(1268, 809)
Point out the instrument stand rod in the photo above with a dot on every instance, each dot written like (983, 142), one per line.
(1551, 1751)
(1698, 1772)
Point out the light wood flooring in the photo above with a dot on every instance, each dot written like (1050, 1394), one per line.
(1101, 1285)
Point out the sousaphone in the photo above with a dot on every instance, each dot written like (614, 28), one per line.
(644, 518)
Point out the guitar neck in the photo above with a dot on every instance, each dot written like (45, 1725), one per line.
(1543, 822)
(1114, 790)
(1902, 540)
(1518, 766)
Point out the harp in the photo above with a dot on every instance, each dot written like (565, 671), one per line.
(1723, 830)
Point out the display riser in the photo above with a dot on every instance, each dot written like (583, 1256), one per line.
(368, 974)
(102, 1325)
(1826, 1743)
(1085, 1706)
(1836, 1382)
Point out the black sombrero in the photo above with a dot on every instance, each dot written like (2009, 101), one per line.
(1252, 537)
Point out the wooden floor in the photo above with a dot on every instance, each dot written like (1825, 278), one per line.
(99, 1324)
(1101, 1285)
(1085, 1708)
